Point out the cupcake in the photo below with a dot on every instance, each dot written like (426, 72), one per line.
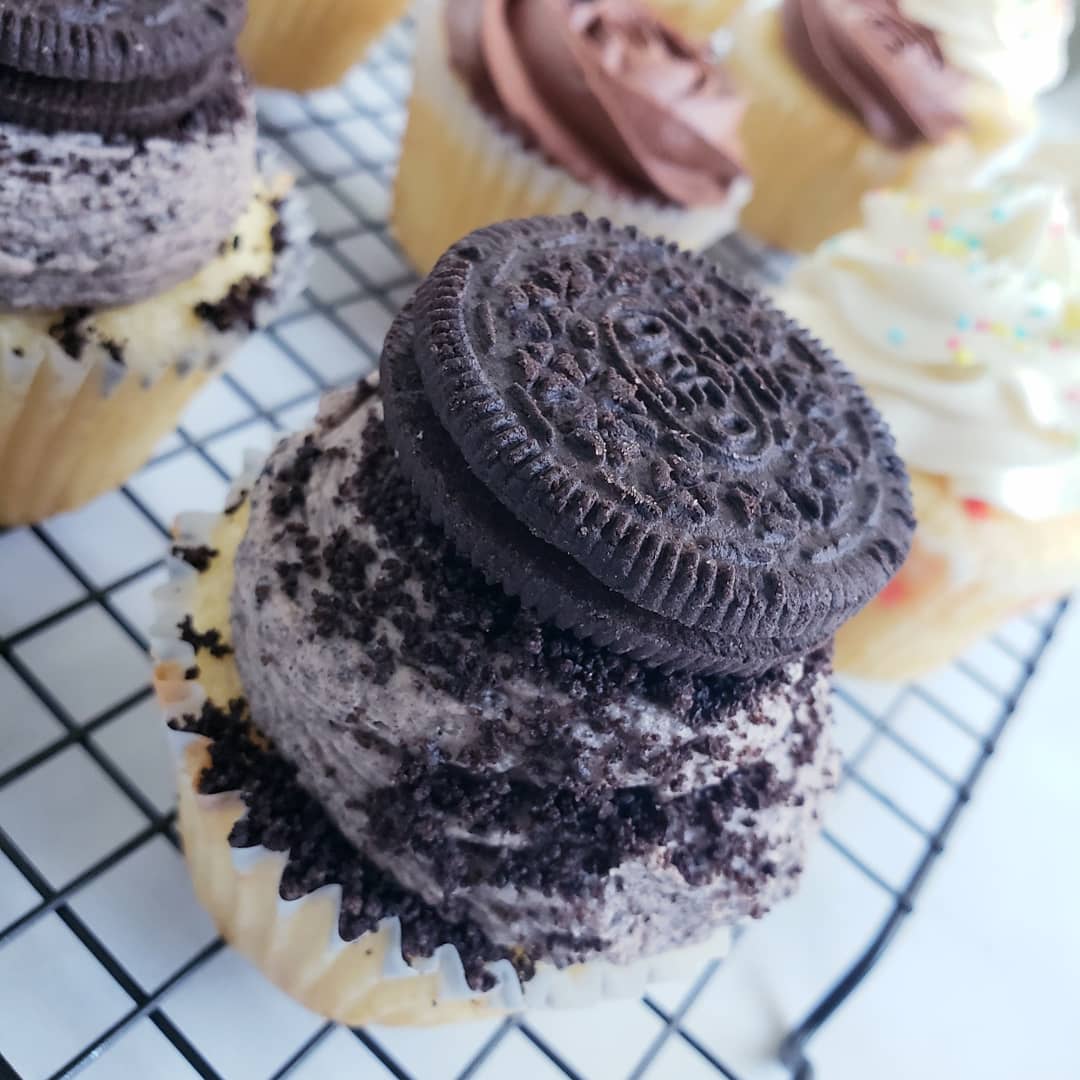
(696, 18)
(506, 684)
(307, 44)
(960, 313)
(138, 241)
(551, 107)
(850, 97)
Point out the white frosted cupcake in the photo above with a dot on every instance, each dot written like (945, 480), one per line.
(549, 107)
(960, 312)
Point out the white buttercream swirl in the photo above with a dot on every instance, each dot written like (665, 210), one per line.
(1019, 45)
(961, 314)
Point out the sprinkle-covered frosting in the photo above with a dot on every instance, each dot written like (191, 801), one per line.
(1019, 45)
(961, 314)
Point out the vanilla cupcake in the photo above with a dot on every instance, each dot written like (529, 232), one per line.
(960, 312)
(307, 44)
(850, 97)
(139, 244)
(550, 107)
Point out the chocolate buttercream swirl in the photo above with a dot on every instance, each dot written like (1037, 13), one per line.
(605, 91)
(876, 63)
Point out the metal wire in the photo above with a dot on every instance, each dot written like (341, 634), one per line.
(351, 163)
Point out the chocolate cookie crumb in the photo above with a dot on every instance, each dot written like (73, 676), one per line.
(210, 640)
(68, 332)
(281, 816)
(198, 557)
(237, 308)
(115, 351)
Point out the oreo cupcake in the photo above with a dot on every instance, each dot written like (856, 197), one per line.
(506, 684)
(850, 97)
(306, 44)
(527, 107)
(959, 309)
(138, 242)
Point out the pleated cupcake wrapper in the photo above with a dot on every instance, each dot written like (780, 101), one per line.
(297, 943)
(306, 44)
(72, 429)
(812, 161)
(697, 19)
(460, 171)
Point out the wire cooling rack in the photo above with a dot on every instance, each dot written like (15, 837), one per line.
(107, 965)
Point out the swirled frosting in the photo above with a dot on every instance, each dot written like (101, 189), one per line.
(961, 314)
(565, 801)
(605, 91)
(886, 69)
(1019, 45)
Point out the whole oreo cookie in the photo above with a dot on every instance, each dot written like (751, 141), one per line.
(114, 66)
(714, 489)
(545, 579)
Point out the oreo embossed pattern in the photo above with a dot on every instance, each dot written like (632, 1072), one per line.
(669, 431)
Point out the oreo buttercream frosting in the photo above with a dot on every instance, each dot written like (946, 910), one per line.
(127, 140)
(459, 674)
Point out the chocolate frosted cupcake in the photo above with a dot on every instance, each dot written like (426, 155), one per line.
(138, 242)
(552, 106)
(848, 97)
(510, 677)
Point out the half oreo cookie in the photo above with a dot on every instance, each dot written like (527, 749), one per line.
(644, 451)
(114, 66)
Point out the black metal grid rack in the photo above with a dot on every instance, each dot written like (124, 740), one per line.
(342, 145)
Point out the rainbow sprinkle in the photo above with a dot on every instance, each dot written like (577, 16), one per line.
(896, 592)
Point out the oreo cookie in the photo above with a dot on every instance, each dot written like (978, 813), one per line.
(132, 67)
(507, 553)
(644, 450)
